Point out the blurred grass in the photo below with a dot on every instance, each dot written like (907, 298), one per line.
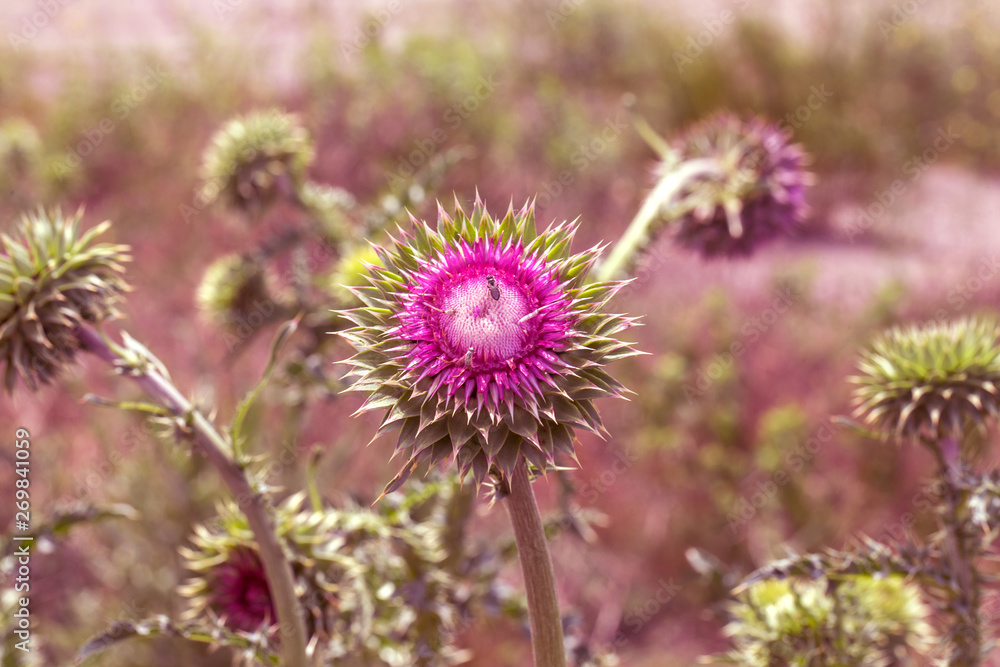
(557, 88)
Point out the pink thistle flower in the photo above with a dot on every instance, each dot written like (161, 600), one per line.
(238, 592)
(483, 340)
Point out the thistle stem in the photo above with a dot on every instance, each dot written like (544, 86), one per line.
(962, 550)
(536, 567)
(253, 505)
(637, 234)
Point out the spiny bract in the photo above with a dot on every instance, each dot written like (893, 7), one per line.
(53, 279)
(483, 340)
(760, 196)
(932, 380)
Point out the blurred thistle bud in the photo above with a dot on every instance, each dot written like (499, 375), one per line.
(352, 271)
(328, 205)
(372, 584)
(757, 195)
(53, 278)
(855, 621)
(931, 381)
(255, 159)
(482, 339)
(20, 152)
(232, 289)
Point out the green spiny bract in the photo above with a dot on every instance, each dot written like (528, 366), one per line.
(53, 278)
(256, 159)
(931, 381)
(483, 340)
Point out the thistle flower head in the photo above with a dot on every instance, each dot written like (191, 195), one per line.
(231, 289)
(931, 381)
(52, 279)
(855, 621)
(483, 340)
(760, 195)
(255, 159)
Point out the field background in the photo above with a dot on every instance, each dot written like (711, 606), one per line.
(705, 432)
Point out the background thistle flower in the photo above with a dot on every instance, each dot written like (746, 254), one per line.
(255, 159)
(483, 340)
(379, 588)
(932, 380)
(855, 621)
(52, 279)
(759, 196)
(232, 288)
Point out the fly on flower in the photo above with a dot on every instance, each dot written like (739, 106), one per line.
(461, 371)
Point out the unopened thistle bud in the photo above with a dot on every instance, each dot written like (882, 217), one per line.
(759, 196)
(256, 159)
(233, 288)
(484, 341)
(53, 278)
(931, 381)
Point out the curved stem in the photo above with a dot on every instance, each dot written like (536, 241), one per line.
(253, 505)
(536, 566)
(636, 236)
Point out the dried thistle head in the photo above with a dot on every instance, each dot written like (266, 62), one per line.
(232, 288)
(255, 159)
(760, 195)
(483, 340)
(930, 381)
(852, 621)
(53, 278)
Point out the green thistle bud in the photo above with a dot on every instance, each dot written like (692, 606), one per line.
(931, 381)
(52, 279)
(255, 159)
(232, 289)
(20, 151)
(856, 621)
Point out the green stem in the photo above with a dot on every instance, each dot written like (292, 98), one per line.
(253, 505)
(637, 234)
(536, 567)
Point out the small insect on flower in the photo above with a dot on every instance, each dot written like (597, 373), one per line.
(491, 284)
